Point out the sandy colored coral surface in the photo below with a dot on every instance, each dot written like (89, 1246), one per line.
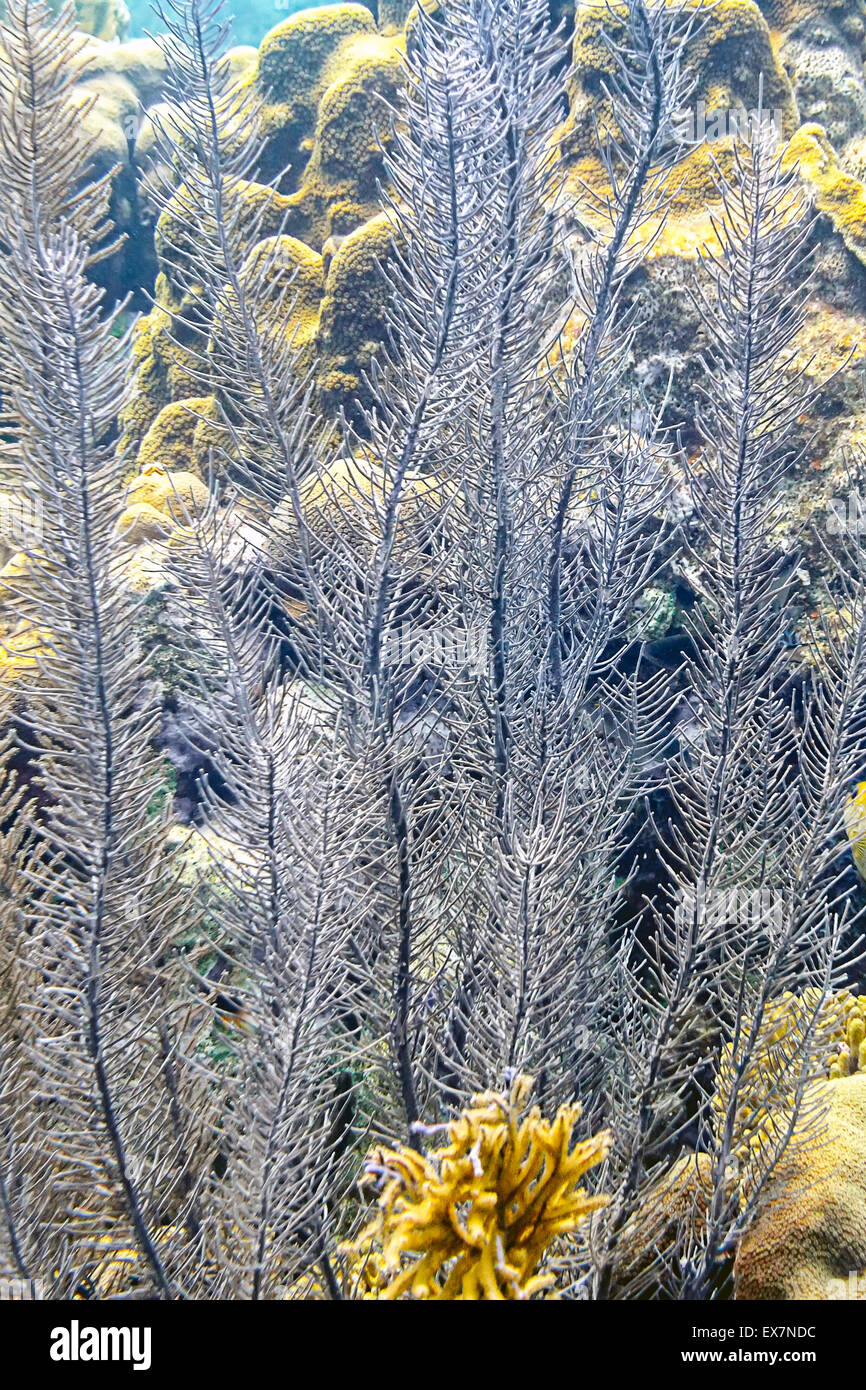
(810, 1233)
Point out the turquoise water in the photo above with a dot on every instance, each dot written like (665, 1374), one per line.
(252, 18)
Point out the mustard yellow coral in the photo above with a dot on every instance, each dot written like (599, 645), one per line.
(394, 13)
(288, 282)
(730, 52)
(475, 1219)
(676, 1202)
(807, 1239)
(23, 651)
(354, 309)
(17, 576)
(142, 522)
(824, 1033)
(170, 442)
(257, 210)
(848, 1038)
(161, 369)
(296, 57)
(175, 495)
(839, 195)
(322, 75)
(325, 78)
(810, 1227)
(768, 1072)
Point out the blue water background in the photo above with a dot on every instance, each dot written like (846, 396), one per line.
(252, 19)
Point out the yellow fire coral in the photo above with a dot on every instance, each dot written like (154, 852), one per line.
(475, 1219)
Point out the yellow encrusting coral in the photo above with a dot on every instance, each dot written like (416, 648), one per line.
(326, 79)
(286, 285)
(820, 1035)
(23, 651)
(475, 1219)
(393, 14)
(18, 575)
(143, 522)
(354, 309)
(730, 53)
(162, 370)
(322, 75)
(675, 1203)
(848, 1053)
(838, 194)
(769, 1073)
(810, 1223)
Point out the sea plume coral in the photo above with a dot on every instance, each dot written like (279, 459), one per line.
(423, 668)
(474, 1219)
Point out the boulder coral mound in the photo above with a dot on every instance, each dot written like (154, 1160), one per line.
(118, 84)
(331, 307)
(732, 56)
(176, 440)
(809, 1236)
(323, 80)
(348, 498)
(822, 52)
